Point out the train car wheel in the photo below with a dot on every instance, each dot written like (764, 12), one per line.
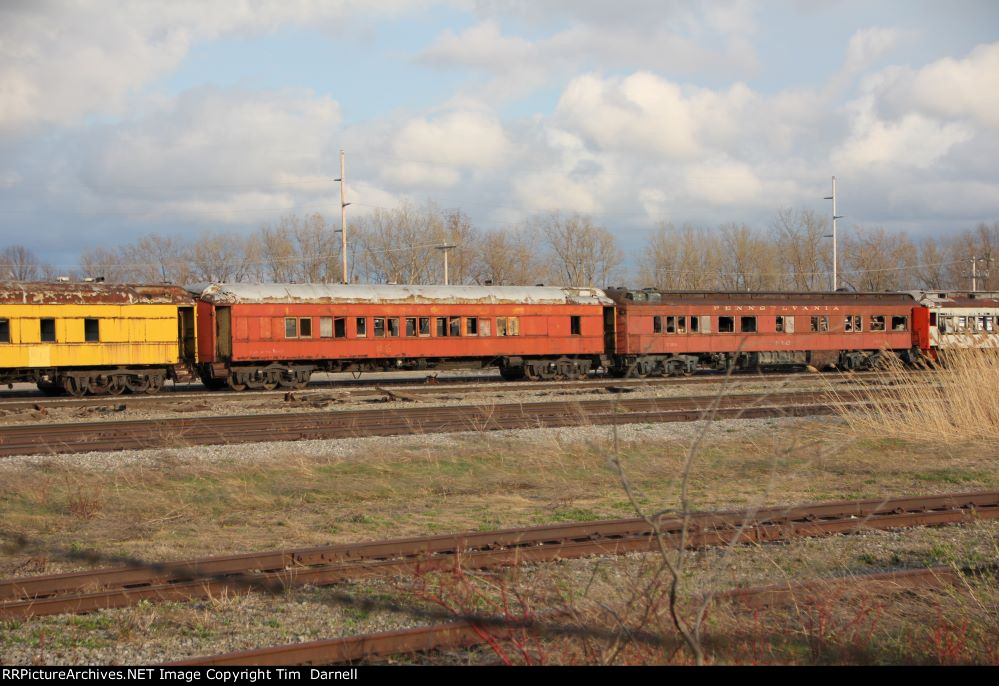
(74, 387)
(137, 384)
(235, 385)
(155, 384)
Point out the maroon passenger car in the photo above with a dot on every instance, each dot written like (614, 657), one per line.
(266, 335)
(675, 332)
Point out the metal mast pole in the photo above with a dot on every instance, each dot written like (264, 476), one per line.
(444, 248)
(343, 219)
(974, 279)
(835, 273)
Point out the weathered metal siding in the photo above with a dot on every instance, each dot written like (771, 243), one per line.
(59, 293)
(636, 334)
(129, 335)
(259, 332)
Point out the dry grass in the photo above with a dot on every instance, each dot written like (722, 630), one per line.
(960, 401)
(173, 508)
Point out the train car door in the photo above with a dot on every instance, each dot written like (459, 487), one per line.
(609, 323)
(223, 333)
(186, 334)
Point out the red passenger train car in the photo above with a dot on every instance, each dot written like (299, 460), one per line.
(676, 332)
(269, 335)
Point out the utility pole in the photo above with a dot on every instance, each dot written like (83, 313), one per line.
(343, 219)
(974, 283)
(835, 273)
(444, 248)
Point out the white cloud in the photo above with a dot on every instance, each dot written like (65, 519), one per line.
(60, 61)
(966, 89)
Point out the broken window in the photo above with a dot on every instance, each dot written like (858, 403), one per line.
(393, 326)
(820, 323)
(726, 324)
(471, 326)
(657, 324)
(290, 327)
(47, 330)
(362, 327)
(305, 328)
(671, 324)
(4, 331)
(878, 322)
(379, 327)
(779, 326)
(500, 326)
(901, 323)
(410, 326)
(681, 324)
(92, 330)
(747, 325)
(575, 325)
(326, 327)
(454, 326)
(340, 327)
(693, 324)
(442, 326)
(424, 326)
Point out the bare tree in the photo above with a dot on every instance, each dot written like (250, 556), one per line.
(582, 254)
(18, 264)
(509, 257)
(806, 263)
(747, 260)
(875, 260)
(103, 263)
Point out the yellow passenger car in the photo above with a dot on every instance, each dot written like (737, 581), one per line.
(94, 337)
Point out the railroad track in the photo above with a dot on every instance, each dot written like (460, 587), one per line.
(33, 400)
(463, 634)
(32, 439)
(275, 571)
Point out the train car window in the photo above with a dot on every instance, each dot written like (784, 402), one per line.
(454, 326)
(981, 323)
(657, 324)
(513, 329)
(4, 331)
(305, 327)
(340, 327)
(485, 328)
(410, 326)
(848, 323)
(962, 323)
(820, 323)
(424, 326)
(362, 327)
(747, 325)
(942, 324)
(681, 324)
(500, 326)
(779, 326)
(706, 324)
(393, 326)
(988, 323)
(290, 327)
(878, 321)
(379, 327)
(901, 323)
(726, 324)
(471, 326)
(693, 324)
(671, 324)
(47, 330)
(575, 325)
(92, 330)
(442, 326)
(326, 327)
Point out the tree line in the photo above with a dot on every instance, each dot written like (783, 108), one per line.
(403, 245)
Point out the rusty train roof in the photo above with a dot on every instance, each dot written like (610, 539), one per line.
(979, 299)
(628, 296)
(240, 293)
(63, 293)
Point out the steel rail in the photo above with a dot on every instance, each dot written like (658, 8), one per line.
(119, 587)
(160, 433)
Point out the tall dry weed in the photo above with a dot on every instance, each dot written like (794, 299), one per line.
(957, 400)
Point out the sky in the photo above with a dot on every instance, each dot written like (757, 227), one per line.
(122, 119)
